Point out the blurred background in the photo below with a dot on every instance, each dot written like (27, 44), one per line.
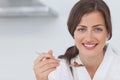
(28, 27)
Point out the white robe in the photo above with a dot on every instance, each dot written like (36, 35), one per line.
(109, 69)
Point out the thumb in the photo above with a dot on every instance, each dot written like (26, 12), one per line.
(50, 52)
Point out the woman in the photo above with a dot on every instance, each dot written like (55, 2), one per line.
(91, 58)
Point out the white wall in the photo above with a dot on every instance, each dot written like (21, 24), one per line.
(21, 38)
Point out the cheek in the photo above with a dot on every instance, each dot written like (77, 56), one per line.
(102, 38)
(78, 41)
(77, 38)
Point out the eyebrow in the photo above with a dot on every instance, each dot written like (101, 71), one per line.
(82, 26)
(97, 25)
(92, 26)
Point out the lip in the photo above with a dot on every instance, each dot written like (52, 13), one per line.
(89, 46)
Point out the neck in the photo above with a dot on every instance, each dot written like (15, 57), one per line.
(92, 63)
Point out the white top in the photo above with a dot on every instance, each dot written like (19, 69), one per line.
(109, 69)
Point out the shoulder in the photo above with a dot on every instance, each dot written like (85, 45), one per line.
(112, 50)
(116, 54)
(114, 68)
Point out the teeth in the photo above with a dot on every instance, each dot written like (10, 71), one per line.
(92, 45)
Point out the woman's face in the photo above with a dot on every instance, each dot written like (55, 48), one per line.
(90, 35)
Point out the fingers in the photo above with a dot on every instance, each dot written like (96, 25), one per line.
(48, 61)
(48, 71)
(44, 75)
(50, 52)
(44, 64)
(48, 64)
(45, 67)
(44, 56)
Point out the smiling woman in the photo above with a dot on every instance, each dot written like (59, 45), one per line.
(90, 58)
(90, 35)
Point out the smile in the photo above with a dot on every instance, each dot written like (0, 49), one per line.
(89, 46)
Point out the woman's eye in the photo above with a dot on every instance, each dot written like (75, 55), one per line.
(82, 29)
(98, 30)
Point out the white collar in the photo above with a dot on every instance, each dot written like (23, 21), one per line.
(80, 73)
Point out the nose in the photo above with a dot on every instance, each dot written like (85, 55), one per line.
(89, 36)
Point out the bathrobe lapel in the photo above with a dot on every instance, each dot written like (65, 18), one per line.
(80, 73)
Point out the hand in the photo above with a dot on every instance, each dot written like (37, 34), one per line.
(45, 64)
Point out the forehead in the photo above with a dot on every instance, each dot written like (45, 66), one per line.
(92, 18)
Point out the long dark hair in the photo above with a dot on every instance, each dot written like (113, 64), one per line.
(81, 8)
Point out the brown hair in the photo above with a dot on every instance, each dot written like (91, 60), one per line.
(81, 8)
